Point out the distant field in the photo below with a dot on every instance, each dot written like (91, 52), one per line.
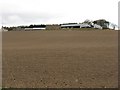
(59, 59)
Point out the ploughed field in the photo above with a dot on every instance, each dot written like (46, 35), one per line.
(60, 59)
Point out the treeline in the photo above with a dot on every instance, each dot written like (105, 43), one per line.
(101, 22)
(23, 27)
(33, 26)
(9, 28)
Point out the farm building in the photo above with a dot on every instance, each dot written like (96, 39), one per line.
(103, 23)
(4, 29)
(27, 29)
(75, 25)
(97, 26)
(53, 27)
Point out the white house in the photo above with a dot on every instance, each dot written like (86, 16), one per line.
(97, 26)
(4, 30)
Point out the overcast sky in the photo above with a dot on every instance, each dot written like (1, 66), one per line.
(25, 12)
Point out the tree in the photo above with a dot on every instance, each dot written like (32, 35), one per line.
(89, 22)
(113, 26)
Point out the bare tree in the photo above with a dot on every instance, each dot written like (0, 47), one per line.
(113, 26)
(89, 22)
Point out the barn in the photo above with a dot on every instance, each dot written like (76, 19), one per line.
(103, 23)
(4, 29)
(75, 25)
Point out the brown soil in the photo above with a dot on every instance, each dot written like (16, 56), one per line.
(60, 59)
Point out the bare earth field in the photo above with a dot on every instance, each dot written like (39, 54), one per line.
(60, 59)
